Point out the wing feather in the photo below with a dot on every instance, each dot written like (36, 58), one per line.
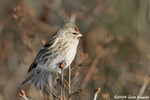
(43, 50)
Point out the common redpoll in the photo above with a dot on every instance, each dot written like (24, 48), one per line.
(61, 47)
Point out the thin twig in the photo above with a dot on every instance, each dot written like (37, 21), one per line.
(23, 95)
(78, 66)
(69, 81)
(76, 92)
(146, 81)
(92, 68)
(73, 18)
(49, 90)
(96, 93)
(61, 66)
(62, 85)
(60, 10)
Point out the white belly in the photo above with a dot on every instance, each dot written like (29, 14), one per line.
(70, 55)
(67, 58)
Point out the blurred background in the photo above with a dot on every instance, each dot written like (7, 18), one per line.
(113, 55)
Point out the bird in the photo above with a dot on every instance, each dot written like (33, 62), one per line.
(61, 47)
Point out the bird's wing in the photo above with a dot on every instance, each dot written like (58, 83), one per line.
(41, 52)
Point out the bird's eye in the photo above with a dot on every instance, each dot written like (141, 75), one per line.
(74, 33)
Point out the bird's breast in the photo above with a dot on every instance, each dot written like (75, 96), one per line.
(67, 55)
(70, 55)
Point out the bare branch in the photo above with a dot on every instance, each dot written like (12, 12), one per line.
(49, 90)
(62, 65)
(146, 81)
(23, 95)
(96, 93)
(69, 81)
(100, 52)
(76, 92)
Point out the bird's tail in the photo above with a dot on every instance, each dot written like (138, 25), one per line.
(40, 79)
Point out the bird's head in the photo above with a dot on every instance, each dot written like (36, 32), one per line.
(72, 30)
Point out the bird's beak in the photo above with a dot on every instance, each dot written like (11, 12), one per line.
(79, 35)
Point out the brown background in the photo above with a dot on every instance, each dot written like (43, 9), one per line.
(115, 46)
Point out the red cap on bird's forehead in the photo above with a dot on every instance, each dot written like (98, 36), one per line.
(76, 28)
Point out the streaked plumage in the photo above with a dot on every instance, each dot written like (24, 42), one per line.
(61, 47)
